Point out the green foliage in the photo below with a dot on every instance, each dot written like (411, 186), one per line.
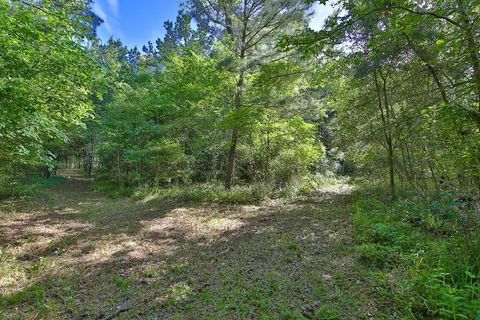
(151, 273)
(206, 193)
(105, 186)
(168, 130)
(32, 185)
(436, 263)
(406, 88)
(280, 150)
(28, 186)
(34, 295)
(162, 119)
(122, 283)
(46, 81)
(377, 255)
(47, 77)
(387, 90)
(155, 129)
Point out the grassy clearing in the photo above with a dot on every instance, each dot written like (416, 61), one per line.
(423, 256)
(82, 254)
(324, 255)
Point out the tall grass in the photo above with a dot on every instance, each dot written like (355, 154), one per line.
(423, 256)
(205, 193)
(28, 186)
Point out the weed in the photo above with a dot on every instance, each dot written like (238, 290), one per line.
(178, 292)
(325, 313)
(204, 193)
(376, 255)
(178, 267)
(150, 273)
(433, 258)
(122, 283)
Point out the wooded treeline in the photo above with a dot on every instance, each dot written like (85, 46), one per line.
(212, 101)
(243, 95)
(244, 91)
(406, 87)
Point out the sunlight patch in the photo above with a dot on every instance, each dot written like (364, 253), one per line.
(66, 211)
(192, 223)
(150, 197)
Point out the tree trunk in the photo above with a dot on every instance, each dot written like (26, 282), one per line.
(232, 154)
(385, 116)
(473, 54)
(391, 159)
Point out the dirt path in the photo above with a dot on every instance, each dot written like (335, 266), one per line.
(77, 254)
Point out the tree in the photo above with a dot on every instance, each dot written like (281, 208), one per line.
(410, 80)
(47, 76)
(247, 28)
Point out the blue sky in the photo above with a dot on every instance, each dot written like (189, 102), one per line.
(136, 22)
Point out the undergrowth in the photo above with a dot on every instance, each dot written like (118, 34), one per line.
(205, 193)
(196, 192)
(28, 186)
(216, 192)
(423, 256)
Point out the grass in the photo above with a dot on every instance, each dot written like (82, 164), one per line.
(84, 254)
(205, 193)
(29, 186)
(196, 254)
(201, 192)
(216, 192)
(423, 256)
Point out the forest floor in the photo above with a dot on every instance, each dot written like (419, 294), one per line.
(72, 253)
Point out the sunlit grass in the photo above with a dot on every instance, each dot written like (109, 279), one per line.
(183, 258)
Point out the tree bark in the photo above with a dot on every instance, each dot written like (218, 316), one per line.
(232, 154)
(385, 116)
(391, 159)
(472, 52)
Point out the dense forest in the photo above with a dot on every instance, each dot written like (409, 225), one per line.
(242, 104)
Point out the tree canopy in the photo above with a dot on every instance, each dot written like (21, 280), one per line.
(243, 96)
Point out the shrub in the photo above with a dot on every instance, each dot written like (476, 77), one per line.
(205, 193)
(29, 185)
(376, 255)
(446, 299)
(433, 249)
(385, 234)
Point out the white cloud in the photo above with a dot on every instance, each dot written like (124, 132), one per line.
(114, 7)
(320, 13)
(98, 9)
(107, 10)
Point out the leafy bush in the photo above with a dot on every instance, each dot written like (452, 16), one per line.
(433, 248)
(205, 193)
(440, 297)
(29, 185)
(384, 234)
(376, 255)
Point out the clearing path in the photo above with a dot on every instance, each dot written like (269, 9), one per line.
(77, 254)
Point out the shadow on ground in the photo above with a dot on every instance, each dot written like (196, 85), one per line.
(83, 255)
